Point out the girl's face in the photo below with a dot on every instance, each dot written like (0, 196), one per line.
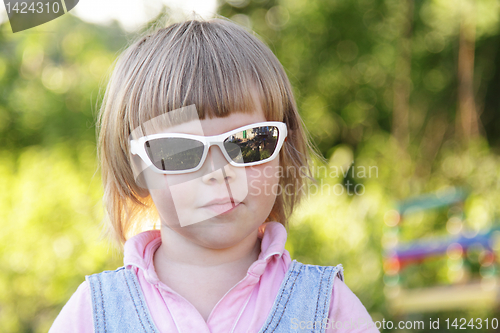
(247, 194)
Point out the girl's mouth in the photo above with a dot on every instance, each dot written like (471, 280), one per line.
(223, 207)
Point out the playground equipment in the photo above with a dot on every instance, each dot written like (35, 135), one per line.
(459, 261)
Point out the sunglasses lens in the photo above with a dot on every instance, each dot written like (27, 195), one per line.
(173, 154)
(252, 145)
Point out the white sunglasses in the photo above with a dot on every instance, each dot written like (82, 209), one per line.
(176, 153)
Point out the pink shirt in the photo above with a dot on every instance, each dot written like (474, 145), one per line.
(244, 308)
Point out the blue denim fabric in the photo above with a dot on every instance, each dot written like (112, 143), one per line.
(303, 299)
(118, 304)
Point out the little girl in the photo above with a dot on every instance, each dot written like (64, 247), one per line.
(199, 130)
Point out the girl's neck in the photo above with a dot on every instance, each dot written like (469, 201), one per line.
(177, 250)
(203, 275)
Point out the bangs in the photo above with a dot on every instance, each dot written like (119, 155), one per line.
(215, 66)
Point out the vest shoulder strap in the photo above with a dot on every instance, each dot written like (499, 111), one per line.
(303, 298)
(118, 304)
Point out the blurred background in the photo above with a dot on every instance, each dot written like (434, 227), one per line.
(400, 97)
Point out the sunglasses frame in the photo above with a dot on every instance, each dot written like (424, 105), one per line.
(138, 146)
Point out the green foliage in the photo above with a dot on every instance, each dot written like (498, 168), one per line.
(50, 189)
(49, 81)
(50, 212)
(341, 57)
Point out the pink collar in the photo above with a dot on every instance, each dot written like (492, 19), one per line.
(139, 250)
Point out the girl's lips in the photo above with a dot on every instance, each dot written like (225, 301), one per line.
(222, 208)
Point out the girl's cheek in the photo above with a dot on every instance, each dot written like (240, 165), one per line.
(162, 201)
(263, 179)
(169, 203)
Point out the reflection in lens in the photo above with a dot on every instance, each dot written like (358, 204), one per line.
(174, 153)
(256, 144)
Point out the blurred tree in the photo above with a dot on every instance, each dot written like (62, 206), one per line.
(467, 119)
(353, 62)
(50, 81)
(50, 197)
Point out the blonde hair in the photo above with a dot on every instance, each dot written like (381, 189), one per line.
(214, 65)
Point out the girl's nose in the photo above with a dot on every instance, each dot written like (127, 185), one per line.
(216, 167)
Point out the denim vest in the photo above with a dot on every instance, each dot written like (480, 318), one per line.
(301, 305)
